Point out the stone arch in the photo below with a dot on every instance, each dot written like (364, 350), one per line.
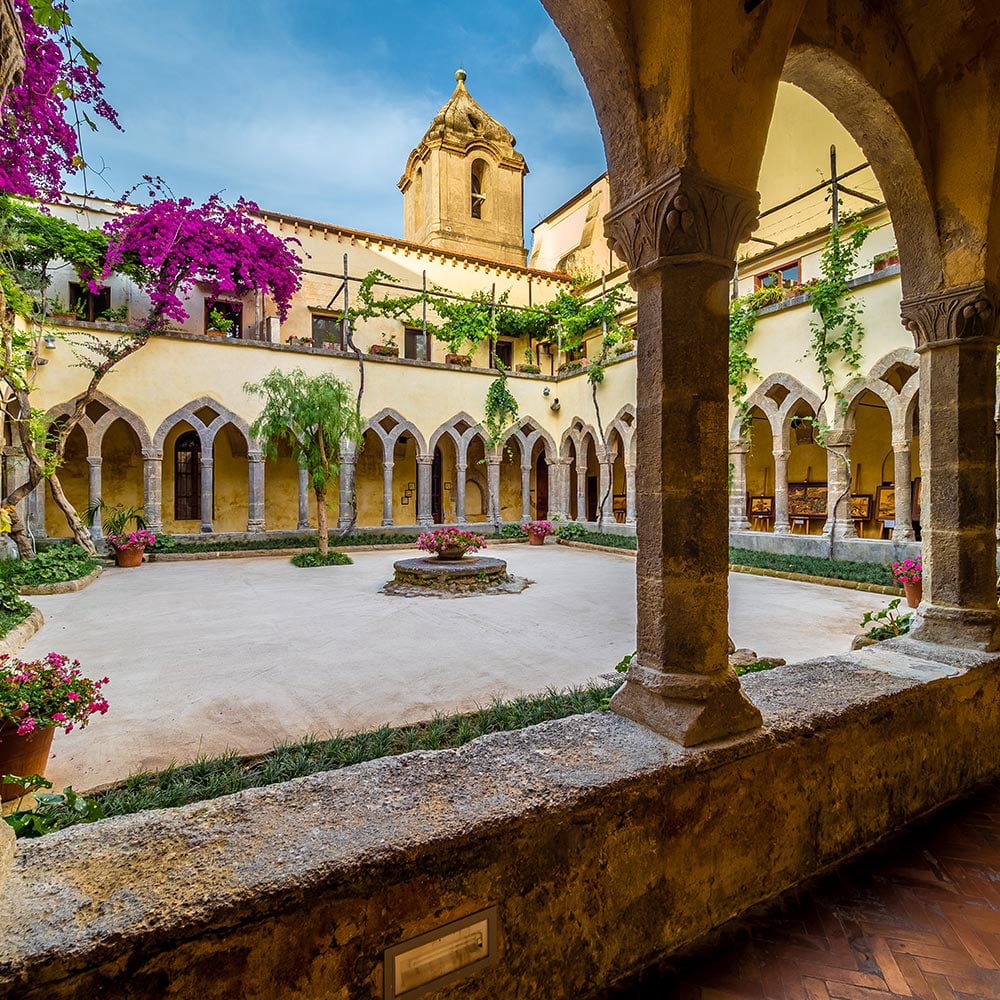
(901, 355)
(578, 432)
(528, 433)
(207, 428)
(775, 397)
(399, 425)
(624, 425)
(94, 428)
(461, 428)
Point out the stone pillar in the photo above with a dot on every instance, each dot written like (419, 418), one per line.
(956, 334)
(781, 524)
(304, 487)
(998, 480)
(94, 492)
(493, 487)
(903, 532)
(581, 492)
(605, 503)
(152, 489)
(387, 494)
(630, 494)
(348, 467)
(738, 520)
(207, 492)
(525, 493)
(36, 511)
(839, 523)
(255, 506)
(425, 486)
(461, 470)
(679, 236)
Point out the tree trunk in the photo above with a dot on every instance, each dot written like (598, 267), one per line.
(321, 515)
(19, 533)
(80, 533)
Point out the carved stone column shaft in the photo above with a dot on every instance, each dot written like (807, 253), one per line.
(255, 504)
(903, 531)
(738, 451)
(425, 486)
(839, 523)
(781, 522)
(152, 490)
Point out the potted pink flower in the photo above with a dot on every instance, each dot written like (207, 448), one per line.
(36, 698)
(537, 531)
(909, 574)
(129, 546)
(450, 543)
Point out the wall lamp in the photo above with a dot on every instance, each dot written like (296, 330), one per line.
(49, 341)
(554, 406)
(546, 391)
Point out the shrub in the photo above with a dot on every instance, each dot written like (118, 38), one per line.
(306, 560)
(511, 531)
(572, 532)
(52, 565)
(886, 623)
(834, 569)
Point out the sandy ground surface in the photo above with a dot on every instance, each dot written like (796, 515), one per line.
(206, 656)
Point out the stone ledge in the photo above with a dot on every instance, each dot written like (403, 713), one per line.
(17, 638)
(64, 587)
(590, 826)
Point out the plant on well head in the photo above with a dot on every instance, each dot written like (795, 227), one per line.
(316, 416)
(43, 694)
(450, 539)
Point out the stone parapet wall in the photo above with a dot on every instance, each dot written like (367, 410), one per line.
(872, 550)
(602, 844)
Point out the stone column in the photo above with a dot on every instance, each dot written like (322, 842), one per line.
(207, 492)
(255, 506)
(679, 236)
(903, 532)
(525, 493)
(348, 468)
(738, 520)
(425, 486)
(461, 470)
(581, 492)
(36, 511)
(998, 480)
(94, 492)
(781, 523)
(839, 523)
(605, 503)
(493, 487)
(630, 494)
(387, 494)
(956, 334)
(304, 487)
(152, 489)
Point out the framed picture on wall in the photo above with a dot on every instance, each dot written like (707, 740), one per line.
(885, 503)
(807, 500)
(404, 500)
(762, 506)
(861, 506)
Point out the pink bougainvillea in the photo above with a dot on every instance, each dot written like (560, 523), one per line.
(218, 245)
(38, 144)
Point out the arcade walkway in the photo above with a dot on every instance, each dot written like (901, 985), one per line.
(918, 918)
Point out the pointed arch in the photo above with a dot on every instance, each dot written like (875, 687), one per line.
(528, 433)
(461, 437)
(391, 436)
(207, 429)
(95, 429)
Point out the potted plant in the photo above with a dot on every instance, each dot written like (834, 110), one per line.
(116, 315)
(625, 348)
(529, 367)
(450, 543)
(909, 574)
(219, 325)
(387, 349)
(883, 260)
(462, 360)
(128, 545)
(569, 367)
(36, 697)
(59, 309)
(538, 531)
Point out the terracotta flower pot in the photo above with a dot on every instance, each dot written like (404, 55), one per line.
(914, 593)
(129, 557)
(23, 756)
(456, 552)
(462, 360)
(535, 539)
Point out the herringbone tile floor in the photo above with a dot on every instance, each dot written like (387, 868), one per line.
(920, 917)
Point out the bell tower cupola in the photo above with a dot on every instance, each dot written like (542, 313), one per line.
(463, 188)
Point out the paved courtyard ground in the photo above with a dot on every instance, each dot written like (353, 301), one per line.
(207, 656)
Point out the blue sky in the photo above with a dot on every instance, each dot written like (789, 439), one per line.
(312, 107)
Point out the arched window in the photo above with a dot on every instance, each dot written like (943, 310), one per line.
(418, 197)
(187, 477)
(478, 188)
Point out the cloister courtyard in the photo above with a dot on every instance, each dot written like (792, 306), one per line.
(240, 654)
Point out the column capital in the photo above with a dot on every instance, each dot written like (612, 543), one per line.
(738, 446)
(462, 466)
(152, 454)
(255, 456)
(94, 461)
(684, 217)
(961, 314)
(781, 454)
(839, 438)
(899, 445)
(13, 451)
(425, 459)
(207, 463)
(388, 466)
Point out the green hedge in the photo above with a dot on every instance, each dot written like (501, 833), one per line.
(833, 569)
(166, 544)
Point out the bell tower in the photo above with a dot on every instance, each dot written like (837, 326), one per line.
(463, 188)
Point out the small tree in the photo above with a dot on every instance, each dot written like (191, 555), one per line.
(313, 415)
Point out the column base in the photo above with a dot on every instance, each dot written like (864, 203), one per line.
(782, 529)
(255, 526)
(686, 708)
(966, 628)
(735, 524)
(844, 529)
(425, 522)
(156, 527)
(207, 529)
(387, 522)
(305, 526)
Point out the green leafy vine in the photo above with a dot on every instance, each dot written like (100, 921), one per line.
(742, 365)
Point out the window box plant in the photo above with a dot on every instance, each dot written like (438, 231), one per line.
(569, 367)
(625, 348)
(36, 697)
(538, 531)
(529, 370)
(219, 325)
(909, 574)
(387, 349)
(450, 543)
(59, 310)
(462, 360)
(881, 261)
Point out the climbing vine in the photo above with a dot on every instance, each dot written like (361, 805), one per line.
(742, 321)
(500, 410)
